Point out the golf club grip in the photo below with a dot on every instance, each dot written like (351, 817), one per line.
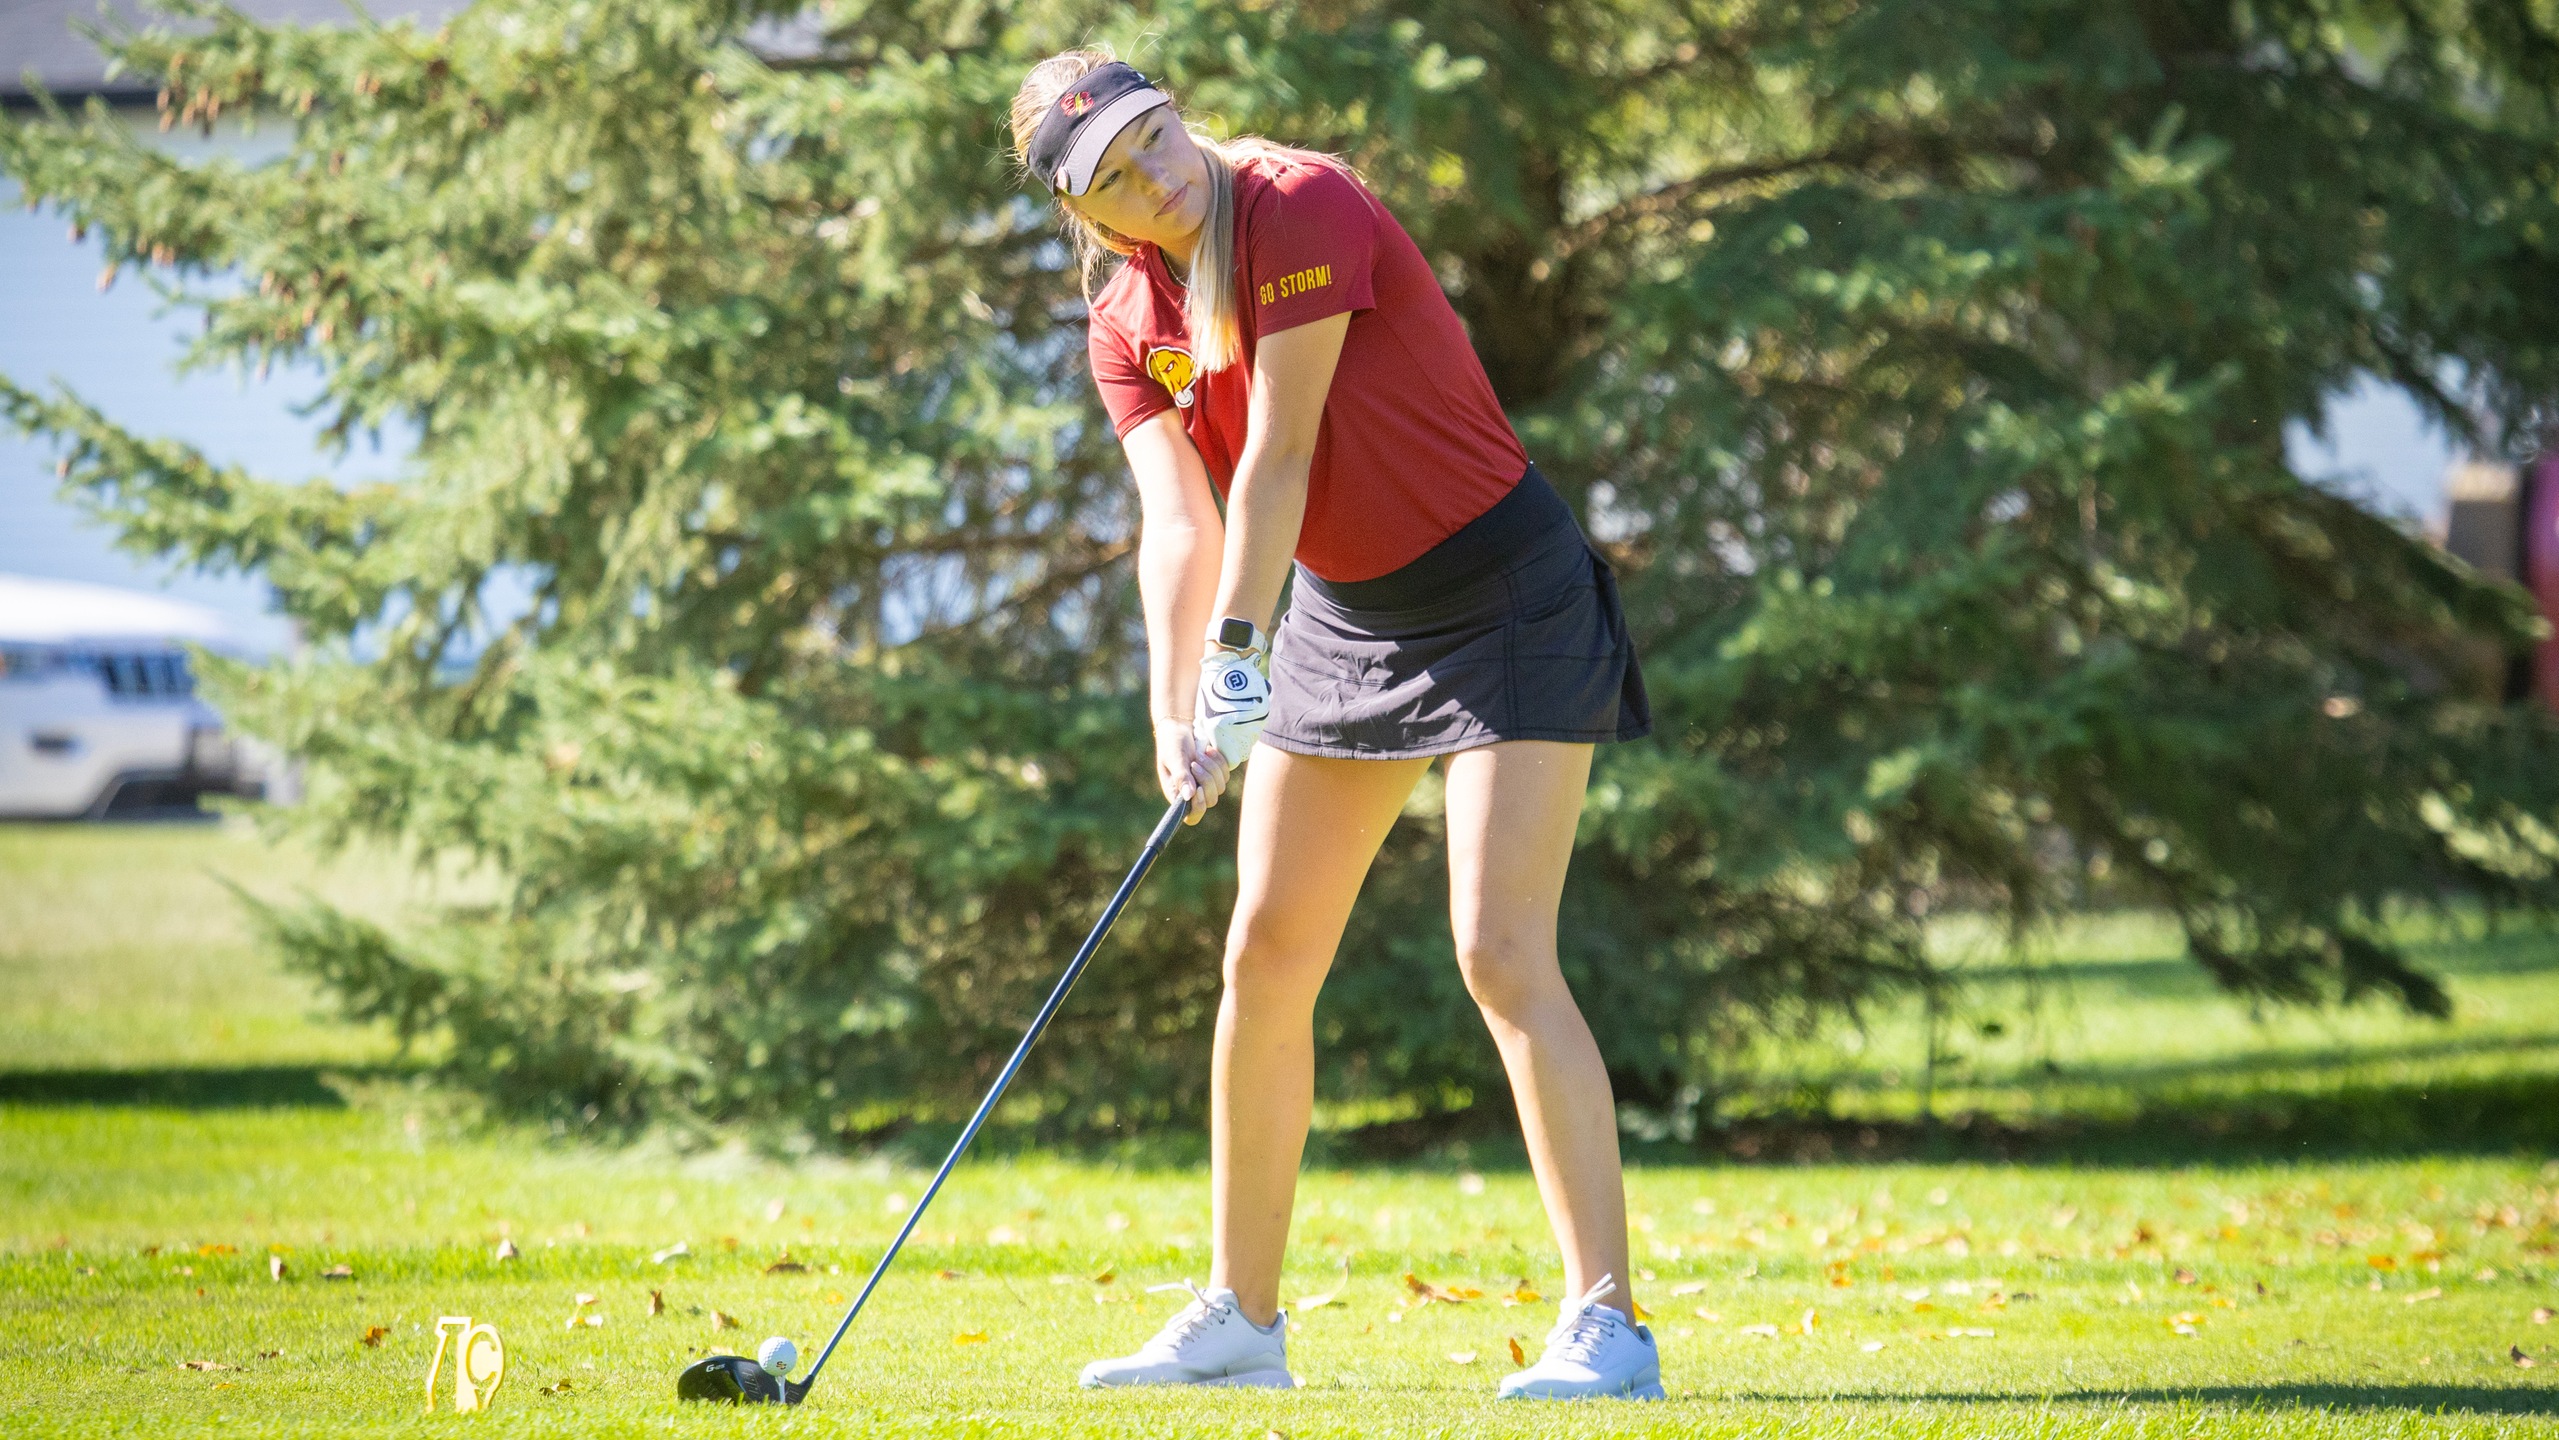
(1155, 844)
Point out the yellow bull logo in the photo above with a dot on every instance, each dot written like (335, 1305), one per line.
(1172, 368)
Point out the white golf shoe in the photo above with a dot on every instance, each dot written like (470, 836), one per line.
(1208, 1343)
(1592, 1352)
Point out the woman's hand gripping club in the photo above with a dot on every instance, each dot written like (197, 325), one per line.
(1228, 709)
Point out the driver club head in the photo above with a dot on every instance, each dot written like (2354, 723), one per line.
(736, 1380)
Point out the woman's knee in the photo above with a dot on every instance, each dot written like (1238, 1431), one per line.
(1508, 971)
(1269, 956)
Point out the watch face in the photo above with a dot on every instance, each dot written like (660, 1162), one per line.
(1235, 634)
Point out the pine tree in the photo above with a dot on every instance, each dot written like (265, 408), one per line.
(1923, 368)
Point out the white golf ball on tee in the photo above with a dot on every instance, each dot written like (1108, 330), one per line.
(777, 1355)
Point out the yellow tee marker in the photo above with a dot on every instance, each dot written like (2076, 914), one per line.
(479, 1363)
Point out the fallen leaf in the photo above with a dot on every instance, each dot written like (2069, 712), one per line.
(1429, 1292)
(775, 1208)
(1464, 1292)
(1520, 1294)
(1641, 1314)
(657, 1303)
(1705, 1314)
(217, 1250)
(2522, 1361)
(946, 1274)
(786, 1266)
(1461, 1357)
(206, 1365)
(722, 1320)
(2185, 1277)
(584, 1299)
(1811, 1317)
(1318, 1302)
(1693, 1287)
(1973, 1334)
(183, 1269)
(270, 1354)
(338, 1272)
(373, 1336)
(1518, 1356)
(1764, 1332)
(2487, 1274)
(1109, 1273)
(677, 1251)
(969, 1337)
(506, 1250)
(275, 1267)
(1871, 1346)
(2382, 1262)
(2541, 1316)
(2185, 1322)
(560, 1386)
(2431, 1292)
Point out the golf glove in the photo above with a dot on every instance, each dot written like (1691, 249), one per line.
(1235, 690)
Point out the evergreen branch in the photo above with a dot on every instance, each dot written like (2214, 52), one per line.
(1665, 199)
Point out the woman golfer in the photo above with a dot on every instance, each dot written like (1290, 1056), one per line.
(1275, 337)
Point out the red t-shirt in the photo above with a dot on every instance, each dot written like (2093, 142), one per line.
(1412, 445)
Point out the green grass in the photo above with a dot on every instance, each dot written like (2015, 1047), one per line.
(166, 1125)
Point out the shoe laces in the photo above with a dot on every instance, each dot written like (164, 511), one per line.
(1194, 1317)
(1582, 1327)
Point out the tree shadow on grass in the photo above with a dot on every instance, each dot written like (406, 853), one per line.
(212, 1087)
(2423, 1399)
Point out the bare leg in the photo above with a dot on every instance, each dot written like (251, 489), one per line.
(1310, 828)
(1512, 808)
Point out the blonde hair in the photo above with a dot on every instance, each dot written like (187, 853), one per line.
(1210, 304)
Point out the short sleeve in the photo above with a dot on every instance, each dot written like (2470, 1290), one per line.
(1130, 395)
(1309, 247)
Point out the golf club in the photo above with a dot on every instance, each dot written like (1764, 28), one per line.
(737, 1378)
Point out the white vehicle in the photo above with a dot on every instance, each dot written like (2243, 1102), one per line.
(98, 712)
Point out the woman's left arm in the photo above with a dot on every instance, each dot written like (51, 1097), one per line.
(1292, 373)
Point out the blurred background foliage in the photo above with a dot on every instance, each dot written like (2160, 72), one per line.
(756, 615)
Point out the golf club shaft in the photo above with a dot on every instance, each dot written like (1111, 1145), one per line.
(1155, 844)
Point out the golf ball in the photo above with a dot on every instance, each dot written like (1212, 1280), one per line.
(777, 1355)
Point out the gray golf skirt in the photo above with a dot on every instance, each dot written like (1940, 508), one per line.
(1509, 629)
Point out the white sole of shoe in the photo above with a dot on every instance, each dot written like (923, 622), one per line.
(1255, 1380)
(1650, 1390)
(1252, 1380)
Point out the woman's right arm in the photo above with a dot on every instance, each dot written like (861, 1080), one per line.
(1180, 544)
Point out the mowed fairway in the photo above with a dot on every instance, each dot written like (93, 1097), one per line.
(145, 1184)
